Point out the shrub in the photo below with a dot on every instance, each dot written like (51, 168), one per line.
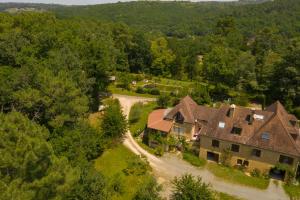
(172, 142)
(266, 175)
(148, 191)
(140, 90)
(154, 91)
(136, 167)
(290, 174)
(154, 136)
(226, 157)
(184, 146)
(159, 151)
(163, 101)
(256, 173)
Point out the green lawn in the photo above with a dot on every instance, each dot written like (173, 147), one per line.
(237, 176)
(293, 191)
(193, 159)
(113, 162)
(137, 127)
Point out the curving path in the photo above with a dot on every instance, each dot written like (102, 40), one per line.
(167, 167)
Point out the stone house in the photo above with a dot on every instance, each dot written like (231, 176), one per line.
(256, 139)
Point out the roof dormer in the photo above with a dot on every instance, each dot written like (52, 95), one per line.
(179, 118)
(265, 136)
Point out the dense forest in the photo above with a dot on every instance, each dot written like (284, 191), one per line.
(50, 76)
(55, 65)
(248, 51)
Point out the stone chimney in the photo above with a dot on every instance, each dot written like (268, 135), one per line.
(231, 111)
(251, 118)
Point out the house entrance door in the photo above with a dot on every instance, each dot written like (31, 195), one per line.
(277, 173)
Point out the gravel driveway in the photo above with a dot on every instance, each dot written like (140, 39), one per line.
(167, 167)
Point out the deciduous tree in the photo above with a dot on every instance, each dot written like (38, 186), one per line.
(162, 56)
(187, 187)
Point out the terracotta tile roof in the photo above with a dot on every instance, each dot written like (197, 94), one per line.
(156, 121)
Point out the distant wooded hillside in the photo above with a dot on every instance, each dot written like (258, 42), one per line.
(184, 18)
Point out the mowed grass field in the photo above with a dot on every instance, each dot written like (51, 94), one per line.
(112, 163)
